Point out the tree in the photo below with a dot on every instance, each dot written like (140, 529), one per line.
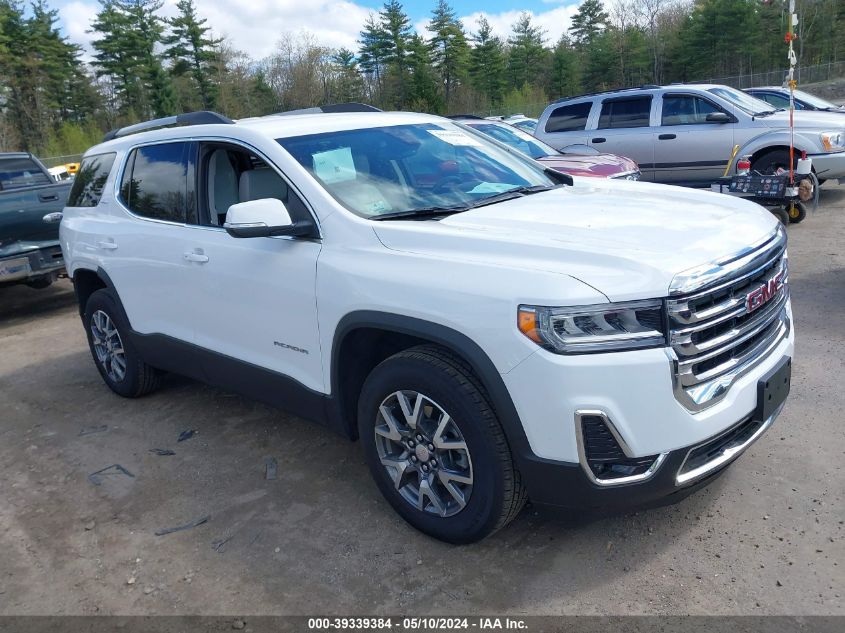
(423, 94)
(191, 50)
(449, 47)
(527, 51)
(590, 20)
(125, 52)
(396, 26)
(373, 52)
(487, 62)
(564, 80)
(349, 85)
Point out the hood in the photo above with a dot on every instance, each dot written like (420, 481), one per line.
(625, 239)
(816, 119)
(593, 165)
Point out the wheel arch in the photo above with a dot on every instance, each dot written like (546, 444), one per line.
(87, 281)
(363, 339)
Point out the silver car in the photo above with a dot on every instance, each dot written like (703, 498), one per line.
(685, 134)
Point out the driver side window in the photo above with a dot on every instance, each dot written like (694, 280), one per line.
(231, 174)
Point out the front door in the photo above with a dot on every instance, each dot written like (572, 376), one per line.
(689, 150)
(255, 299)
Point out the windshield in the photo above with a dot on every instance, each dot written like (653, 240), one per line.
(744, 102)
(406, 168)
(814, 101)
(514, 137)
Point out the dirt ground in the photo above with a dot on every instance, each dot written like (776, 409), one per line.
(766, 538)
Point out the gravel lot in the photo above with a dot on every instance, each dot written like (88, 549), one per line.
(766, 538)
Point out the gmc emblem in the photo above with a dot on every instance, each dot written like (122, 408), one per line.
(760, 296)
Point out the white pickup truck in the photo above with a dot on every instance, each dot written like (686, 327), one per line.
(488, 330)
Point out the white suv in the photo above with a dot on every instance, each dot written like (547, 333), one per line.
(489, 331)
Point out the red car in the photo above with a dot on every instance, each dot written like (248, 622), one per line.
(575, 160)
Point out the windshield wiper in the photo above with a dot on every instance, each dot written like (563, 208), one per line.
(510, 194)
(429, 212)
(767, 112)
(421, 213)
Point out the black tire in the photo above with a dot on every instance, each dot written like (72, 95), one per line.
(796, 212)
(769, 162)
(497, 493)
(781, 214)
(139, 378)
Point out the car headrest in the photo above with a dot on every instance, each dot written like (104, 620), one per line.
(256, 184)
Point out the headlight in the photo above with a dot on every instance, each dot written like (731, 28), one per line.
(627, 175)
(606, 327)
(833, 141)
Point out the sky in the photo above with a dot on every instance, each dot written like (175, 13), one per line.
(255, 26)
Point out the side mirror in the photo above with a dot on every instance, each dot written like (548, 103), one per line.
(267, 217)
(718, 117)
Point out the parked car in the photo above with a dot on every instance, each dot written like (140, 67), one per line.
(488, 331)
(524, 123)
(31, 202)
(684, 134)
(60, 173)
(579, 160)
(779, 98)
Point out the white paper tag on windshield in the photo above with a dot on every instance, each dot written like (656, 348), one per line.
(335, 165)
(455, 137)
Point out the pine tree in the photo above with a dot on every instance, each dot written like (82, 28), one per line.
(349, 85)
(590, 20)
(527, 52)
(564, 81)
(373, 52)
(423, 94)
(449, 48)
(396, 25)
(487, 62)
(191, 50)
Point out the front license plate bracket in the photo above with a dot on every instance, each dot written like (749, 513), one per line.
(773, 389)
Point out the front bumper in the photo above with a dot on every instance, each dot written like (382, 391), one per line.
(829, 166)
(39, 261)
(566, 485)
(634, 391)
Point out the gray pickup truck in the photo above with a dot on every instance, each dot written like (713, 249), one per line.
(31, 203)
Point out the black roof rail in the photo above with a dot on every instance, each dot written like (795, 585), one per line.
(466, 116)
(203, 117)
(333, 108)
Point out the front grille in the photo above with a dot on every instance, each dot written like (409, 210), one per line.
(714, 336)
(604, 456)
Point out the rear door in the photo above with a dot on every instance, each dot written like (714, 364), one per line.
(27, 194)
(623, 128)
(146, 249)
(689, 150)
(565, 125)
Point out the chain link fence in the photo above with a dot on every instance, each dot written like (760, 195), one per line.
(803, 74)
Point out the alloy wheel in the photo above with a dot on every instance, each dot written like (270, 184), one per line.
(424, 452)
(108, 346)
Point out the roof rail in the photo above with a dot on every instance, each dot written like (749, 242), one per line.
(466, 116)
(605, 92)
(333, 108)
(203, 117)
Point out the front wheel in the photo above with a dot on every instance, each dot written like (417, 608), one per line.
(436, 448)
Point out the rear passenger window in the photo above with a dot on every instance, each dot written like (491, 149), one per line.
(90, 180)
(622, 113)
(16, 173)
(569, 118)
(155, 182)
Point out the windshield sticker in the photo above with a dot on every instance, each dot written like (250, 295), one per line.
(492, 187)
(455, 137)
(335, 165)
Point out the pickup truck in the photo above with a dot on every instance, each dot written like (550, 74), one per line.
(31, 202)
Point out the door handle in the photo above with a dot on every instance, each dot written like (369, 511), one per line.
(52, 218)
(47, 197)
(599, 139)
(196, 256)
(107, 245)
(667, 137)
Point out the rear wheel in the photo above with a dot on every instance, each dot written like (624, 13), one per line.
(436, 448)
(117, 360)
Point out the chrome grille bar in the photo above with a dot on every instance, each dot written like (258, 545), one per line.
(715, 331)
